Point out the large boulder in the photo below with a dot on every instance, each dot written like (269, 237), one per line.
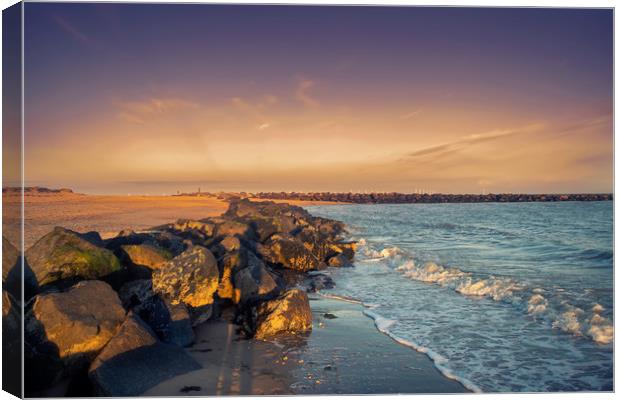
(268, 218)
(65, 331)
(12, 276)
(244, 208)
(288, 314)
(289, 252)
(134, 361)
(339, 260)
(171, 322)
(347, 249)
(315, 242)
(184, 225)
(318, 282)
(230, 227)
(158, 239)
(64, 255)
(254, 282)
(331, 229)
(191, 278)
(144, 258)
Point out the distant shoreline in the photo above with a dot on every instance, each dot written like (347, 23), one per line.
(411, 198)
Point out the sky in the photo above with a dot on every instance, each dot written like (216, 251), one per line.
(138, 98)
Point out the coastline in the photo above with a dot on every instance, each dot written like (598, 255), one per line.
(107, 214)
(344, 354)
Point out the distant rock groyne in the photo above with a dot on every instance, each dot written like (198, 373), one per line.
(34, 190)
(400, 198)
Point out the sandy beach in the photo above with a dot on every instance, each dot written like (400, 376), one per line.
(106, 214)
(344, 354)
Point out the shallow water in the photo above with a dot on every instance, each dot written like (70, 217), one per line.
(503, 297)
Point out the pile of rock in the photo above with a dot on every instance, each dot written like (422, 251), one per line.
(121, 310)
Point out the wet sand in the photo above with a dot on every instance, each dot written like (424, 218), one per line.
(342, 355)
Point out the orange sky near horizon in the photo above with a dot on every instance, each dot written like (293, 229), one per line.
(313, 128)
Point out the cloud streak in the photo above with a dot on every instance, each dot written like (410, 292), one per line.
(70, 29)
(411, 114)
(468, 141)
(140, 111)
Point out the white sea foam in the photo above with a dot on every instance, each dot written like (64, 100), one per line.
(440, 362)
(342, 298)
(560, 315)
(601, 329)
(537, 304)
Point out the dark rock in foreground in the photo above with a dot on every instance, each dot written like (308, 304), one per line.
(171, 322)
(288, 314)
(12, 276)
(134, 361)
(191, 278)
(65, 331)
(288, 252)
(64, 255)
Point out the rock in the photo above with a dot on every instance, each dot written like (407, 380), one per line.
(339, 260)
(134, 361)
(184, 225)
(290, 313)
(163, 240)
(268, 218)
(227, 245)
(229, 264)
(10, 258)
(11, 325)
(254, 282)
(12, 272)
(319, 282)
(144, 258)
(65, 331)
(244, 208)
(345, 248)
(288, 252)
(229, 227)
(329, 228)
(315, 242)
(93, 237)
(196, 232)
(171, 322)
(191, 278)
(11, 345)
(64, 255)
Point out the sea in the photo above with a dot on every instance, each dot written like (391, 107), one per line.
(503, 297)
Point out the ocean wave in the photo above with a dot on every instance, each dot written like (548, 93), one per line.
(441, 363)
(535, 301)
(383, 324)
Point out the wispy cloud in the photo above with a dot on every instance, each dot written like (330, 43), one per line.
(411, 114)
(302, 94)
(469, 140)
(257, 110)
(140, 111)
(71, 29)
